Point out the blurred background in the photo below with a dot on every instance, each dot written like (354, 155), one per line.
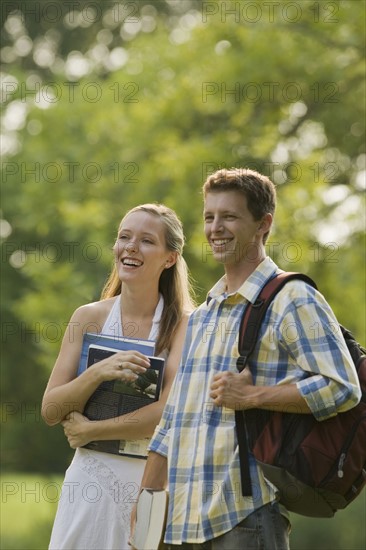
(109, 104)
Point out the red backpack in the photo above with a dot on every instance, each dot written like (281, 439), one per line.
(317, 467)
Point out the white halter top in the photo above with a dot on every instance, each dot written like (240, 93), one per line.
(113, 323)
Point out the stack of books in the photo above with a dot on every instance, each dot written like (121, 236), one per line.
(114, 398)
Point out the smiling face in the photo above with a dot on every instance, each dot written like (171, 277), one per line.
(235, 237)
(140, 250)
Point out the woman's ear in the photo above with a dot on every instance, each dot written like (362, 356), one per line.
(172, 259)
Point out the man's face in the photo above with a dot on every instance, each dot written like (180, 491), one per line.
(234, 236)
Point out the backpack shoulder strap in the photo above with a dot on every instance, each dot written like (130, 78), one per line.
(248, 335)
(254, 313)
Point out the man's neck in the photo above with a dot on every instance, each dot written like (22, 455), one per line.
(237, 274)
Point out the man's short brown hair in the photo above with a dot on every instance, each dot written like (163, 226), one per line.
(259, 190)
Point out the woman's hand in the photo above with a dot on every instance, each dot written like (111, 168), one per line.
(77, 429)
(123, 365)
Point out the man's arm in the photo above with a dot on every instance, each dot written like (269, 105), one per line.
(155, 473)
(155, 477)
(319, 376)
(236, 391)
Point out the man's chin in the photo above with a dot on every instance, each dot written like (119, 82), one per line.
(224, 257)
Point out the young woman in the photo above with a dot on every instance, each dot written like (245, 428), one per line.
(147, 296)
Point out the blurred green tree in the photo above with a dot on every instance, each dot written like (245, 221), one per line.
(142, 110)
(109, 104)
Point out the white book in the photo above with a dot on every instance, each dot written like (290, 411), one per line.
(151, 514)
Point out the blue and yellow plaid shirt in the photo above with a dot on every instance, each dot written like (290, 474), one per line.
(300, 342)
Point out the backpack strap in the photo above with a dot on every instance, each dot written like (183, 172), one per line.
(248, 335)
(254, 313)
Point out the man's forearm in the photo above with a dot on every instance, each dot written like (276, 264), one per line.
(284, 398)
(235, 391)
(156, 472)
(155, 477)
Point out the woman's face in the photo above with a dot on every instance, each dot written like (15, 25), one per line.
(140, 250)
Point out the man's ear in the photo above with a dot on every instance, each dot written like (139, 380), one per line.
(265, 223)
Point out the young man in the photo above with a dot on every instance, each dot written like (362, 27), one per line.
(299, 362)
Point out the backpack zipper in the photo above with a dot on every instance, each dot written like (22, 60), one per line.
(340, 465)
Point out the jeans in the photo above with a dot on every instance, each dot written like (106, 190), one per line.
(264, 529)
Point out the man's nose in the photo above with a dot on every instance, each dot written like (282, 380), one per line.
(216, 225)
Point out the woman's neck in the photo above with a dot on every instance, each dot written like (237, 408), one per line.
(138, 304)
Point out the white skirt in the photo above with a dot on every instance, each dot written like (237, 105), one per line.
(98, 493)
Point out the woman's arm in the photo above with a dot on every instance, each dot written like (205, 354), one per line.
(67, 392)
(80, 431)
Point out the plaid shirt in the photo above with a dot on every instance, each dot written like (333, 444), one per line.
(298, 343)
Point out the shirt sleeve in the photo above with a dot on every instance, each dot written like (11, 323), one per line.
(312, 337)
(160, 439)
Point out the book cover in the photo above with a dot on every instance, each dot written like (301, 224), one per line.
(151, 515)
(120, 343)
(114, 398)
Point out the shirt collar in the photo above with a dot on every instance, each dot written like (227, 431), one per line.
(251, 286)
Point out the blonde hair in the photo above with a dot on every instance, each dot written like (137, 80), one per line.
(174, 283)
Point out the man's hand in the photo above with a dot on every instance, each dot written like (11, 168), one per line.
(233, 390)
(76, 429)
(132, 524)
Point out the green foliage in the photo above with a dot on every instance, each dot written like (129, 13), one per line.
(345, 531)
(28, 508)
(108, 108)
(193, 92)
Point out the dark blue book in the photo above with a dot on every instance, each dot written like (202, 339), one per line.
(114, 398)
